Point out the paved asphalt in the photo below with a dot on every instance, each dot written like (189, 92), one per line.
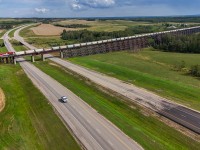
(180, 114)
(92, 129)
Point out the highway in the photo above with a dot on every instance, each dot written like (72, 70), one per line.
(91, 128)
(173, 111)
(185, 116)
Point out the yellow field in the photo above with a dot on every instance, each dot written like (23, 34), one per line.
(48, 29)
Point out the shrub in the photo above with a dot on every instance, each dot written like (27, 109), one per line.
(195, 70)
(179, 66)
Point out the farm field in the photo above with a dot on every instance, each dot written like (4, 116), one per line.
(48, 35)
(137, 123)
(106, 25)
(152, 70)
(49, 30)
(28, 121)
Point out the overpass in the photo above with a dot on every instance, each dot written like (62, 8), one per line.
(133, 43)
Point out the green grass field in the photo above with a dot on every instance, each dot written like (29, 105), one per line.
(46, 42)
(18, 46)
(2, 33)
(28, 121)
(2, 49)
(146, 130)
(151, 70)
(11, 34)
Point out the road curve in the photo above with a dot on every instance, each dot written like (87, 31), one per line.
(92, 129)
(178, 113)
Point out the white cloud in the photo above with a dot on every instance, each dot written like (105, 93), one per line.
(41, 10)
(76, 6)
(83, 4)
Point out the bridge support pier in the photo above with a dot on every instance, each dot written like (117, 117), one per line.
(32, 58)
(14, 61)
(7, 61)
(42, 57)
(61, 54)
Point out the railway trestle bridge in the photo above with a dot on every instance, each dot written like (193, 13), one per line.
(132, 43)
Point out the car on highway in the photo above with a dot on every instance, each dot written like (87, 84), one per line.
(64, 99)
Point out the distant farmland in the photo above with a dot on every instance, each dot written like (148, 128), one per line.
(48, 29)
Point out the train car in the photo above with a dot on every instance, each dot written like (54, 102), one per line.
(7, 54)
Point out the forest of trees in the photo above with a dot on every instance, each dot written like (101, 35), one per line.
(11, 24)
(182, 44)
(73, 25)
(88, 36)
(169, 19)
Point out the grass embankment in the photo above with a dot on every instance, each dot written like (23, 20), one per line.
(2, 47)
(18, 46)
(2, 33)
(146, 130)
(47, 42)
(28, 121)
(151, 70)
(11, 34)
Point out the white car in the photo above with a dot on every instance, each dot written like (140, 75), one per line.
(64, 99)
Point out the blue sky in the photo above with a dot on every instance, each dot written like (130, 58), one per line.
(97, 8)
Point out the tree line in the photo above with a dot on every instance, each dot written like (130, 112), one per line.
(181, 43)
(11, 24)
(88, 36)
(73, 25)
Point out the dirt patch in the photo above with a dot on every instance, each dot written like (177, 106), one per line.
(48, 29)
(2, 100)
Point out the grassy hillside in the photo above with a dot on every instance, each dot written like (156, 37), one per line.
(135, 122)
(28, 121)
(152, 70)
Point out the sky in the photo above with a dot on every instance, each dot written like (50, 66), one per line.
(97, 8)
